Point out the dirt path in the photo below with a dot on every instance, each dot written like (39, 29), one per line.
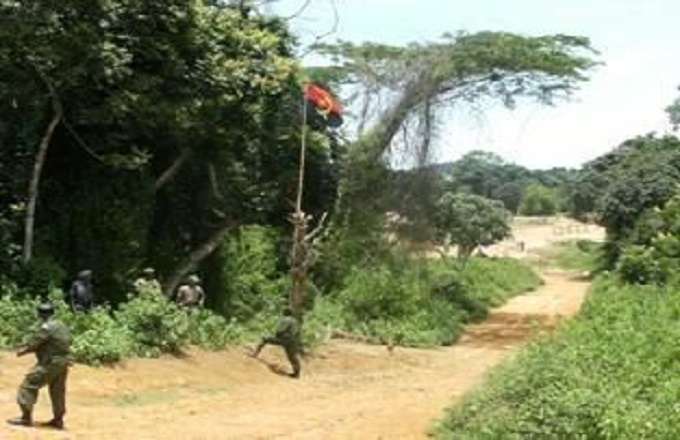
(349, 391)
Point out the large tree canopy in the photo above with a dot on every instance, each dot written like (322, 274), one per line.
(407, 90)
(156, 129)
(145, 133)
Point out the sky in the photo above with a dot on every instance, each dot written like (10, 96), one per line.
(626, 97)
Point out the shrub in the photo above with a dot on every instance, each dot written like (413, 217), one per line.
(98, 338)
(206, 329)
(425, 302)
(17, 318)
(156, 324)
(255, 285)
(653, 253)
(371, 294)
(611, 373)
(538, 199)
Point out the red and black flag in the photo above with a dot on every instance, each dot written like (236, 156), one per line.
(320, 102)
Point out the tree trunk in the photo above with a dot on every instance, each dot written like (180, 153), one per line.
(195, 258)
(172, 170)
(34, 185)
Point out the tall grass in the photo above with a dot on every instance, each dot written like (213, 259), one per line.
(420, 302)
(611, 373)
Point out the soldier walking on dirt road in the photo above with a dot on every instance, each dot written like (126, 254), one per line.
(51, 345)
(287, 335)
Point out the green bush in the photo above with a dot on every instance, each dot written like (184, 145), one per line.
(371, 294)
(326, 315)
(157, 325)
(640, 265)
(611, 373)
(425, 302)
(255, 286)
(538, 199)
(208, 330)
(652, 253)
(98, 338)
(17, 318)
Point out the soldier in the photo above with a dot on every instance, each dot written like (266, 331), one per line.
(147, 283)
(81, 296)
(287, 336)
(190, 294)
(51, 345)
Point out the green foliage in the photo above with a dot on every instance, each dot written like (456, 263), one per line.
(494, 280)
(611, 373)
(251, 267)
(620, 186)
(98, 338)
(418, 80)
(379, 292)
(180, 119)
(39, 276)
(580, 255)
(652, 253)
(469, 221)
(157, 325)
(488, 175)
(419, 302)
(538, 200)
(17, 317)
(208, 330)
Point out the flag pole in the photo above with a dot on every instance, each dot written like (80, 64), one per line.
(298, 255)
(303, 149)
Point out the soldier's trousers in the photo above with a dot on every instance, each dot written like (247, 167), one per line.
(290, 348)
(54, 377)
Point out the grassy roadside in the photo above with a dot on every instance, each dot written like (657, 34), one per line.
(610, 373)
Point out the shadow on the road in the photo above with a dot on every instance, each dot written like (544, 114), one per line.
(274, 367)
(504, 330)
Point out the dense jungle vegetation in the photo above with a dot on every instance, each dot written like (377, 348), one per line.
(167, 134)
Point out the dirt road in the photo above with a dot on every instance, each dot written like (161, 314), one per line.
(348, 391)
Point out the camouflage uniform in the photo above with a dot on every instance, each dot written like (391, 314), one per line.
(147, 283)
(190, 294)
(51, 345)
(287, 336)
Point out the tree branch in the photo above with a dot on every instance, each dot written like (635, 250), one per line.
(40, 157)
(196, 256)
(172, 170)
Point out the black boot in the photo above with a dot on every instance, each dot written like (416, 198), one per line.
(26, 419)
(56, 423)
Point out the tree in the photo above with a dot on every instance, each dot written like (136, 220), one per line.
(538, 199)
(469, 221)
(403, 89)
(619, 186)
(177, 123)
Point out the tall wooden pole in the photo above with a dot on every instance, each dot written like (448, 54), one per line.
(298, 252)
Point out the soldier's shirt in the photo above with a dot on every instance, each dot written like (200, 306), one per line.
(52, 342)
(144, 285)
(189, 295)
(288, 329)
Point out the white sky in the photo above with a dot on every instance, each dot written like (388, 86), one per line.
(638, 41)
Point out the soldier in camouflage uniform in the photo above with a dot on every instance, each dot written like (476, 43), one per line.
(51, 345)
(287, 336)
(191, 294)
(147, 284)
